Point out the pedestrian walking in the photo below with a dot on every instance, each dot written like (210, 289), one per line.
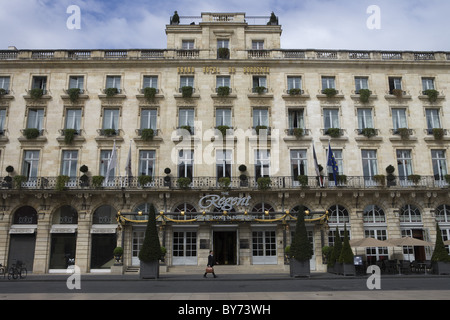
(210, 265)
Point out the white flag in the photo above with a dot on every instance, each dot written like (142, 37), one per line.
(112, 162)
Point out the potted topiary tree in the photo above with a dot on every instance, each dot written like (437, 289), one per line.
(150, 253)
(301, 249)
(118, 252)
(346, 256)
(440, 260)
(390, 176)
(333, 265)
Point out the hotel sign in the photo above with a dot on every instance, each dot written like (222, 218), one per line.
(223, 203)
(218, 70)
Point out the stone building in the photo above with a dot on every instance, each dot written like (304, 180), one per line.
(91, 138)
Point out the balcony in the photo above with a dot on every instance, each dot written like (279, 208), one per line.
(276, 183)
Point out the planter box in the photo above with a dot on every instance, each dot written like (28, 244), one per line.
(348, 269)
(299, 268)
(338, 268)
(149, 270)
(441, 267)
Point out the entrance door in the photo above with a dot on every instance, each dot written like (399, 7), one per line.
(184, 248)
(264, 248)
(102, 250)
(138, 239)
(21, 248)
(225, 248)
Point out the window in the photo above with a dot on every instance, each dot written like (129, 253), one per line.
(148, 118)
(338, 214)
(404, 162)
(375, 254)
(374, 214)
(4, 83)
(410, 214)
(361, 83)
(443, 213)
(298, 163)
(328, 83)
(185, 208)
(186, 81)
(331, 118)
(259, 82)
(257, 44)
(150, 82)
(260, 117)
(2, 121)
(113, 82)
(365, 119)
(223, 163)
(105, 155)
(439, 164)
(69, 163)
(262, 163)
(187, 44)
(185, 164)
(39, 82)
(295, 119)
(223, 117)
(111, 119)
(294, 82)
(35, 118)
(184, 248)
(427, 84)
(76, 82)
(399, 118)
(186, 117)
(30, 164)
(339, 160)
(73, 119)
(370, 166)
(395, 83)
(223, 51)
(222, 81)
(264, 244)
(147, 163)
(433, 120)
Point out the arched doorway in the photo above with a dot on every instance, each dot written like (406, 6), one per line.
(104, 238)
(23, 237)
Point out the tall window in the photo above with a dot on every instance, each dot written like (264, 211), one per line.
(223, 163)
(150, 82)
(223, 117)
(338, 156)
(328, 83)
(361, 83)
(399, 118)
(2, 121)
(439, 164)
(148, 118)
(259, 81)
(331, 118)
(262, 163)
(294, 82)
(30, 164)
(433, 120)
(73, 119)
(185, 164)
(111, 119)
(76, 82)
(370, 166)
(105, 155)
(258, 45)
(296, 119)
(147, 163)
(39, 82)
(187, 44)
(427, 84)
(69, 163)
(186, 117)
(299, 164)
(186, 81)
(4, 83)
(223, 81)
(35, 118)
(260, 117)
(395, 83)
(113, 82)
(404, 162)
(410, 214)
(365, 119)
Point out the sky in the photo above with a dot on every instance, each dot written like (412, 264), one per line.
(419, 25)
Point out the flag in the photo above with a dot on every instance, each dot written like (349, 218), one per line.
(128, 165)
(332, 165)
(317, 167)
(112, 162)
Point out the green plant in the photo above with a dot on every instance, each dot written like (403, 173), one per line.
(259, 89)
(74, 94)
(167, 171)
(287, 251)
(118, 251)
(109, 132)
(9, 169)
(69, 135)
(223, 91)
(149, 94)
(31, 133)
(380, 179)
(144, 179)
(301, 248)
(84, 168)
(397, 92)
(224, 182)
(415, 178)
(19, 180)
(432, 94)
(263, 183)
(346, 255)
(188, 128)
(440, 254)
(329, 92)
(295, 91)
(184, 182)
(61, 182)
(97, 181)
(298, 132)
(223, 130)
(2, 92)
(404, 133)
(111, 92)
(438, 133)
(151, 247)
(390, 175)
(369, 132)
(337, 248)
(333, 132)
(447, 178)
(303, 180)
(364, 95)
(341, 178)
(326, 253)
(186, 91)
(223, 53)
(147, 134)
(258, 128)
(36, 93)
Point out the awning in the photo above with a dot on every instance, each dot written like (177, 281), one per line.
(23, 229)
(64, 228)
(103, 228)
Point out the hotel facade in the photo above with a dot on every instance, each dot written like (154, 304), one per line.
(218, 132)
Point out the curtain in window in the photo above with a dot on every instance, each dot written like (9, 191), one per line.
(365, 118)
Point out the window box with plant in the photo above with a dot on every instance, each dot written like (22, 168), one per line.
(364, 95)
(369, 132)
(224, 183)
(187, 91)
(432, 94)
(19, 180)
(97, 181)
(111, 92)
(333, 132)
(259, 89)
(303, 180)
(69, 135)
(263, 183)
(298, 132)
(404, 133)
(223, 91)
(380, 179)
(61, 182)
(31, 133)
(223, 53)
(149, 94)
(265, 129)
(438, 133)
(295, 91)
(330, 92)
(223, 130)
(36, 93)
(184, 182)
(144, 180)
(74, 94)
(414, 178)
(147, 134)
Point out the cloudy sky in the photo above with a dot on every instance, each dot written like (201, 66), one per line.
(315, 24)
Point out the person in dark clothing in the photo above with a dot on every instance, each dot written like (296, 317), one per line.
(211, 263)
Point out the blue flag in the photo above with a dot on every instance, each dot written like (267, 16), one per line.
(332, 165)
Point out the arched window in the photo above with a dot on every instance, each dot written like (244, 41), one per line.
(104, 215)
(266, 210)
(186, 211)
(294, 211)
(142, 211)
(443, 213)
(25, 215)
(338, 214)
(410, 213)
(374, 214)
(65, 215)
